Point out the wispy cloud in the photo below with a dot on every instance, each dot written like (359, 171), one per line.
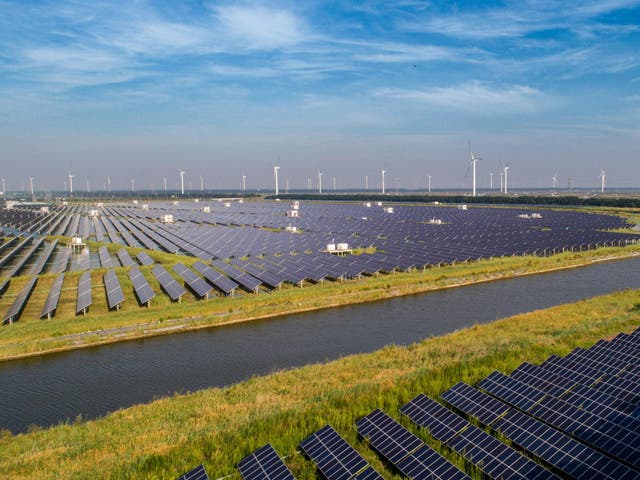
(260, 28)
(471, 97)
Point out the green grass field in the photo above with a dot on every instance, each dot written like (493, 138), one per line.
(165, 438)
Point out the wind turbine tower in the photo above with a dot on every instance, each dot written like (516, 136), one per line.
(182, 172)
(603, 177)
(244, 183)
(164, 183)
(334, 184)
(4, 187)
(319, 182)
(275, 175)
(474, 161)
(109, 183)
(491, 181)
(429, 183)
(366, 182)
(201, 183)
(70, 183)
(555, 181)
(382, 172)
(506, 176)
(31, 184)
(133, 185)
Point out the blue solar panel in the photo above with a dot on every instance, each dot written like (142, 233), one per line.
(403, 449)
(168, 283)
(51, 304)
(115, 296)
(264, 464)
(335, 458)
(84, 293)
(198, 473)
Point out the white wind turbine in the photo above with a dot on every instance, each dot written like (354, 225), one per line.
(182, 172)
(472, 165)
(603, 177)
(71, 183)
(555, 181)
(505, 169)
(244, 183)
(319, 182)
(382, 172)
(275, 175)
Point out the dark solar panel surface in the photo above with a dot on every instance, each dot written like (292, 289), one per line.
(195, 283)
(125, 258)
(143, 290)
(14, 311)
(198, 473)
(215, 278)
(334, 457)
(264, 464)
(168, 283)
(53, 297)
(144, 258)
(115, 296)
(403, 449)
(84, 293)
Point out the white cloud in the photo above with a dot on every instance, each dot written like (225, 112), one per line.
(472, 97)
(260, 28)
(233, 71)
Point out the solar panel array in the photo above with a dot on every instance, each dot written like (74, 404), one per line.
(143, 290)
(404, 450)
(168, 283)
(215, 278)
(13, 314)
(144, 258)
(51, 303)
(105, 258)
(198, 473)
(334, 457)
(115, 296)
(195, 283)
(125, 258)
(84, 293)
(264, 464)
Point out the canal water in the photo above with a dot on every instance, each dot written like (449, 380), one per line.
(94, 381)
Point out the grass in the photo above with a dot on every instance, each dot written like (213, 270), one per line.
(31, 336)
(220, 426)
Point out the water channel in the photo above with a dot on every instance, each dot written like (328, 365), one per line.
(94, 381)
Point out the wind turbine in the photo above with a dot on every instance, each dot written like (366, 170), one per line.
(31, 184)
(382, 172)
(366, 182)
(555, 181)
(275, 174)
(429, 183)
(244, 183)
(182, 172)
(319, 182)
(201, 183)
(334, 184)
(133, 185)
(71, 183)
(474, 161)
(505, 169)
(164, 182)
(490, 180)
(109, 183)
(603, 177)
(4, 187)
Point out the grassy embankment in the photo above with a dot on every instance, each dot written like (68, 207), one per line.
(165, 438)
(65, 331)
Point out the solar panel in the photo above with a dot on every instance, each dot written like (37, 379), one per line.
(62, 259)
(84, 293)
(144, 258)
(264, 464)
(114, 292)
(481, 449)
(334, 457)
(143, 290)
(168, 283)
(105, 258)
(438, 420)
(197, 473)
(215, 278)
(466, 398)
(125, 258)
(427, 464)
(590, 429)
(51, 304)
(386, 436)
(16, 308)
(368, 473)
(403, 449)
(195, 283)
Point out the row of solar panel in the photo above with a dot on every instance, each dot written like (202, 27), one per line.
(573, 417)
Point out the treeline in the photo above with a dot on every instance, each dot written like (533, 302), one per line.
(568, 200)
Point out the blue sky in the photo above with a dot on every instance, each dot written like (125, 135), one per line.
(141, 89)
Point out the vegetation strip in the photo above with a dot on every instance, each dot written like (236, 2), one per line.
(220, 426)
(32, 338)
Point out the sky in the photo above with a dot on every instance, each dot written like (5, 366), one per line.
(142, 89)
